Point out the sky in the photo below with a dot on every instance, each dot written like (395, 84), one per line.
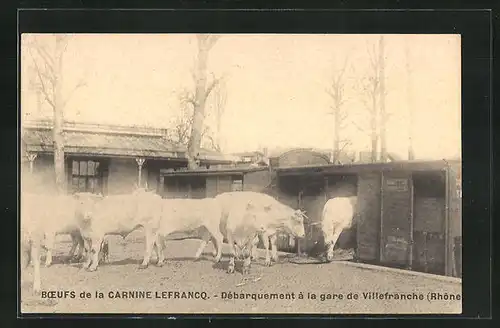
(275, 86)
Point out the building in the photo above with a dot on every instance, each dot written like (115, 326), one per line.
(109, 159)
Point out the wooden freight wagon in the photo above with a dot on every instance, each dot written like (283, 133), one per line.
(408, 213)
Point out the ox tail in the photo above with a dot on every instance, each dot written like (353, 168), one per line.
(28, 254)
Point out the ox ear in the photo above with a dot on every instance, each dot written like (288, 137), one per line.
(300, 214)
(267, 208)
(250, 206)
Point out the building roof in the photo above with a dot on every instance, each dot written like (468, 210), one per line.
(112, 141)
(249, 154)
(353, 168)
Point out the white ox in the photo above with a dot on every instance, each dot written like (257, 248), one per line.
(337, 215)
(247, 215)
(187, 215)
(54, 215)
(45, 216)
(31, 238)
(120, 215)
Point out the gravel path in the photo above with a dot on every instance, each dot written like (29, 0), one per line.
(331, 284)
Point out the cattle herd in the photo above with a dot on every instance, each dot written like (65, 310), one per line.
(242, 218)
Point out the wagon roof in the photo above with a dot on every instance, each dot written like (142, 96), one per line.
(433, 165)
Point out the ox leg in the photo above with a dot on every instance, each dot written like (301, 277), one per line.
(35, 255)
(274, 249)
(204, 241)
(49, 244)
(265, 240)
(77, 240)
(230, 266)
(74, 245)
(88, 248)
(255, 252)
(160, 246)
(81, 247)
(246, 264)
(150, 240)
(217, 238)
(331, 244)
(95, 249)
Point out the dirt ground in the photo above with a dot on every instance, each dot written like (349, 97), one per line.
(328, 282)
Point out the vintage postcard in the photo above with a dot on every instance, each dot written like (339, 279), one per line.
(241, 173)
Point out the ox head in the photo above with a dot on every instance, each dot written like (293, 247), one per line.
(295, 224)
(86, 203)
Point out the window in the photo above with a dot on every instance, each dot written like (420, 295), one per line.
(86, 176)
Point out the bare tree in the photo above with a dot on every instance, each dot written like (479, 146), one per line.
(219, 99)
(48, 64)
(336, 93)
(369, 87)
(383, 113)
(180, 129)
(409, 91)
(202, 91)
(373, 91)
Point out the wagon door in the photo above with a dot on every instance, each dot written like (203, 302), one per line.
(454, 245)
(368, 230)
(396, 218)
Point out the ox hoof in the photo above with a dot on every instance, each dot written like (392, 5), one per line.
(217, 259)
(92, 269)
(77, 259)
(143, 266)
(160, 264)
(267, 263)
(48, 265)
(245, 270)
(230, 269)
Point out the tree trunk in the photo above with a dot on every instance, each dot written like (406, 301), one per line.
(374, 135)
(336, 141)
(199, 107)
(59, 152)
(383, 116)
(58, 132)
(411, 152)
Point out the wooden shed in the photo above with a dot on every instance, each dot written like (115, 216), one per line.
(210, 182)
(409, 213)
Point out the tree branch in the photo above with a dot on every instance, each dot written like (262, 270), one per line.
(79, 85)
(43, 89)
(213, 84)
(45, 56)
(358, 127)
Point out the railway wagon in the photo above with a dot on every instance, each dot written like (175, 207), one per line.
(408, 212)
